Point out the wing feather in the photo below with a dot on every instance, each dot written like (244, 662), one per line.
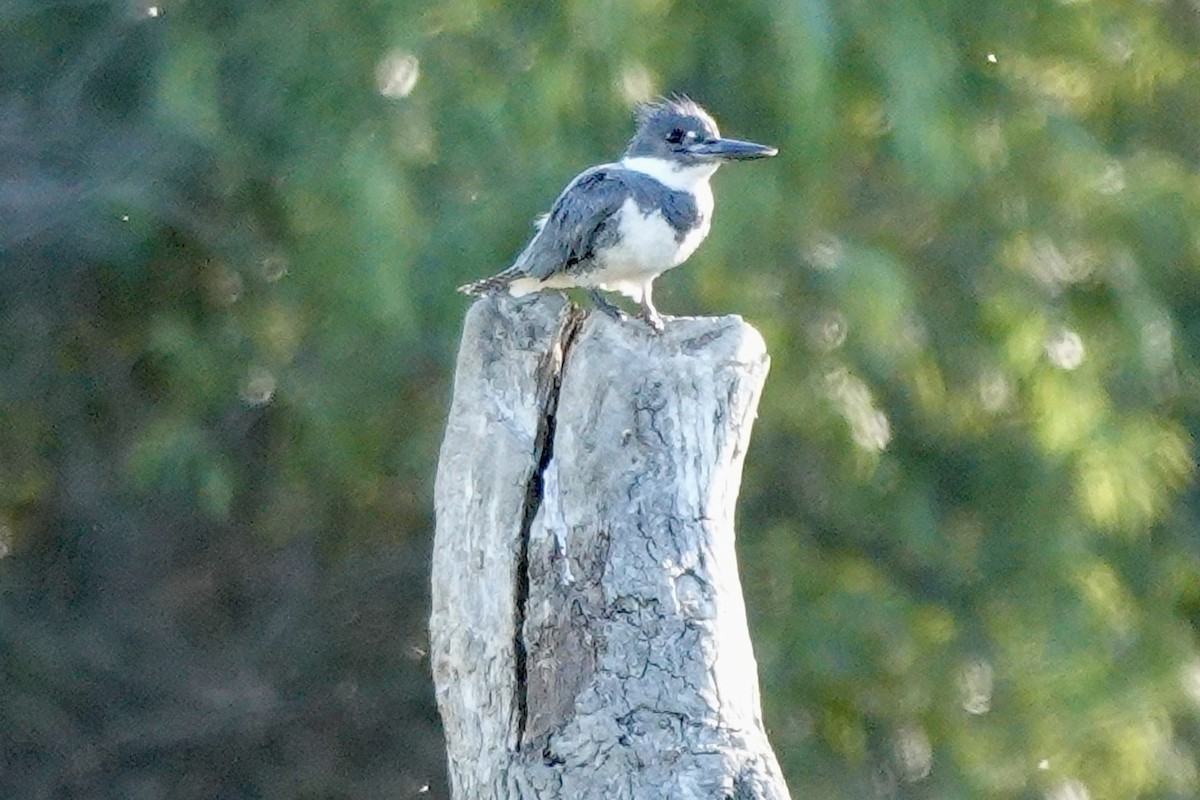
(579, 218)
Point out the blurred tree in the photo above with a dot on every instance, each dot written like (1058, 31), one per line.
(229, 234)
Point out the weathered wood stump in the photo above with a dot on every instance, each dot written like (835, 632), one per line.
(588, 632)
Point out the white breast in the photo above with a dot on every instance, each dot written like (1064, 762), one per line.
(647, 242)
(647, 248)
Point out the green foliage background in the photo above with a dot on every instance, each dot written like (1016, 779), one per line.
(229, 238)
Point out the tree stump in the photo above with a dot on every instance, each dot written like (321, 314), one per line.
(588, 632)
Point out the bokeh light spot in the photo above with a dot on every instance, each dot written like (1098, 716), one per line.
(1065, 349)
(258, 387)
(975, 682)
(397, 74)
(1070, 789)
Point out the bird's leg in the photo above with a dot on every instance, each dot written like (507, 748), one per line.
(608, 308)
(649, 312)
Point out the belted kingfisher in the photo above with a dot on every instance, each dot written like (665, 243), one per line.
(619, 226)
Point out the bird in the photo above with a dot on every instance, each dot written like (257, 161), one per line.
(616, 227)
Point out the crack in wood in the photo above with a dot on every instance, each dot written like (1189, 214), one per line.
(550, 373)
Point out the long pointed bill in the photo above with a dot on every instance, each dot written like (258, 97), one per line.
(732, 150)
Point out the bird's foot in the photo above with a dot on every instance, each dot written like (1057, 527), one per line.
(608, 308)
(652, 318)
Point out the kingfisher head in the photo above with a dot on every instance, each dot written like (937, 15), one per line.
(680, 132)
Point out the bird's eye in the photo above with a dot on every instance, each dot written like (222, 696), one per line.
(675, 136)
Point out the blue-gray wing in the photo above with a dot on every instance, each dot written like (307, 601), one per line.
(582, 220)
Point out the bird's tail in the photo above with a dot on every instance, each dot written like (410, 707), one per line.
(497, 283)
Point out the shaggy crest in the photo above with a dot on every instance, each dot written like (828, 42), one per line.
(678, 104)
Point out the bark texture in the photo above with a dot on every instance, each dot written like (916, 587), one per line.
(588, 632)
